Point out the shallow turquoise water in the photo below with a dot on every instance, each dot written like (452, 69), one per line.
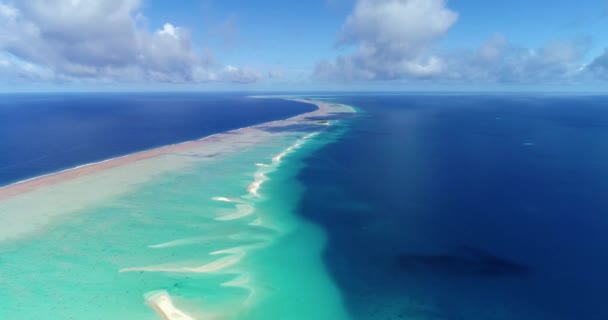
(251, 258)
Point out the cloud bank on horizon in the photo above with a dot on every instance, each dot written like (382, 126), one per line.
(394, 40)
(110, 41)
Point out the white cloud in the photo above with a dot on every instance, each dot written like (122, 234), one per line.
(240, 75)
(168, 30)
(18, 71)
(499, 61)
(599, 66)
(103, 40)
(391, 39)
(402, 27)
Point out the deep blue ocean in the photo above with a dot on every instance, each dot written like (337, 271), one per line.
(467, 207)
(44, 133)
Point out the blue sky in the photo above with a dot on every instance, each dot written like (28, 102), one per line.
(303, 45)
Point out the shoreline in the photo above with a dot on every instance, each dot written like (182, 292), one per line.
(35, 183)
(185, 217)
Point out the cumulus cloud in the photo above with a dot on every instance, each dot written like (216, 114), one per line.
(15, 71)
(103, 40)
(240, 75)
(499, 61)
(599, 66)
(391, 40)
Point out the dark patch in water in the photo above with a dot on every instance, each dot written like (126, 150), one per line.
(476, 263)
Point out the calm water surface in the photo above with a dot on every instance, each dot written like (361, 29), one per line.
(467, 207)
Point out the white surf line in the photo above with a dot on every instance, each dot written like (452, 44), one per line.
(225, 199)
(277, 159)
(260, 178)
(161, 303)
(243, 210)
(260, 175)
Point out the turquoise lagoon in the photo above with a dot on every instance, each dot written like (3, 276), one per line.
(181, 236)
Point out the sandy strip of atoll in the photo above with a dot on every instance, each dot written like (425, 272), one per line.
(54, 178)
(35, 204)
